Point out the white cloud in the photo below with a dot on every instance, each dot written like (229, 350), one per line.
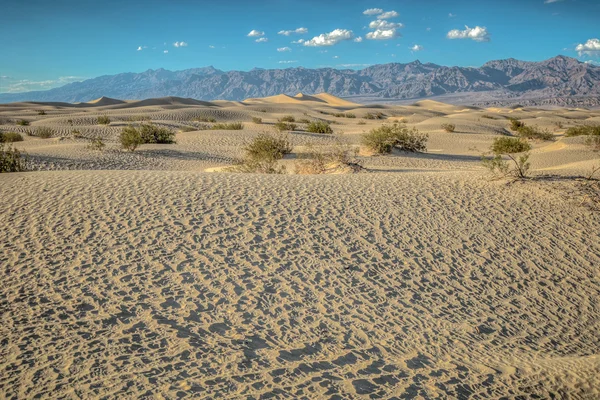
(382, 34)
(331, 38)
(299, 41)
(262, 40)
(255, 33)
(478, 34)
(591, 47)
(288, 62)
(358, 39)
(592, 62)
(373, 11)
(551, 1)
(417, 47)
(280, 49)
(353, 65)
(336, 56)
(180, 44)
(450, 15)
(211, 47)
(139, 48)
(384, 25)
(428, 29)
(166, 51)
(388, 15)
(299, 31)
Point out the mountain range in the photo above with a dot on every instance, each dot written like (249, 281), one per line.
(561, 81)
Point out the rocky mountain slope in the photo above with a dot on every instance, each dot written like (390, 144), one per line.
(557, 81)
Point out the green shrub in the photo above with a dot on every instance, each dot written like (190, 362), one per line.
(534, 132)
(285, 126)
(262, 153)
(96, 144)
(11, 159)
(507, 146)
(378, 115)
(257, 120)
(43, 132)
(130, 138)
(350, 115)
(206, 119)
(151, 134)
(515, 124)
(383, 139)
(319, 127)
(304, 121)
(287, 118)
(23, 122)
(449, 127)
(10, 137)
(232, 126)
(582, 130)
(103, 120)
(344, 115)
(41, 112)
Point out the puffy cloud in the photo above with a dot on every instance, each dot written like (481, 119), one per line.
(180, 44)
(262, 40)
(336, 56)
(478, 34)
(299, 41)
(417, 47)
(280, 49)
(388, 15)
(166, 51)
(373, 11)
(298, 31)
(382, 34)
(591, 47)
(255, 33)
(139, 48)
(358, 39)
(384, 25)
(211, 46)
(331, 38)
(288, 62)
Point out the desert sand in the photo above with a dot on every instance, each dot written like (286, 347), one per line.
(149, 275)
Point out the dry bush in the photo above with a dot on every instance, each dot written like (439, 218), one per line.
(22, 122)
(339, 157)
(11, 159)
(262, 153)
(103, 120)
(96, 144)
(41, 112)
(205, 119)
(287, 118)
(319, 127)
(43, 132)
(515, 124)
(187, 129)
(10, 137)
(383, 139)
(377, 115)
(593, 141)
(583, 130)
(151, 134)
(534, 132)
(232, 126)
(130, 138)
(449, 127)
(285, 126)
(257, 120)
(509, 147)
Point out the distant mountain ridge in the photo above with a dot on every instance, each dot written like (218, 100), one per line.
(557, 81)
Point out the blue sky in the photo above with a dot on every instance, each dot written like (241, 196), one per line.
(45, 44)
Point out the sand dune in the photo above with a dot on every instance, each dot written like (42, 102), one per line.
(105, 101)
(155, 274)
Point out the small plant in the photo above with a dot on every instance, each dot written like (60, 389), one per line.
(587, 130)
(232, 126)
(70, 122)
(262, 110)
(103, 120)
(11, 159)
(257, 120)
(507, 146)
(76, 134)
(488, 116)
(10, 137)
(350, 115)
(206, 119)
(593, 141)
(96, 144)
(319, 127)
(43, 132)
(130, 138)
(41, 112)
(285, 126)
(304, 121)
(262, 153)
(187, 129)
(23, 122)
(449, 127)
(287, 118)
(534, 132)
(383, 139)
(378, 115)
(515, 124)
(337, 158)
(559, 125)
(361, 122)
(151, 134)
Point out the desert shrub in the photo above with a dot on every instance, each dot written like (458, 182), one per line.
(206, 119)
(449, 127)
(11, 159)
(262, 110)
(287, 118)
(10, 137)
(130, 138)
(487, 116)
(593, 130)
(96, 144)
(344, 115)
(285, 126)
(383, 139)
(257, 120)
(187, 129)
(262, 153)
(593, 141)
(534, 132)
(151, 134)
(515, 124)
(22, 122)
(304, 121)
(43, 132)
(507, 146)
(319, 127)
(76, 134)
(350, 115)
(41, 112)
(103, 120)
(361, 122)
(232, 126)
(559, 125)
(378, 115)
(337, 157)
(70, 122)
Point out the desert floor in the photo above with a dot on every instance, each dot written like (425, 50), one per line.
(147, 275)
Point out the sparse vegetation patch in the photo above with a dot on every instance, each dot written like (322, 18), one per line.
(383, 139)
